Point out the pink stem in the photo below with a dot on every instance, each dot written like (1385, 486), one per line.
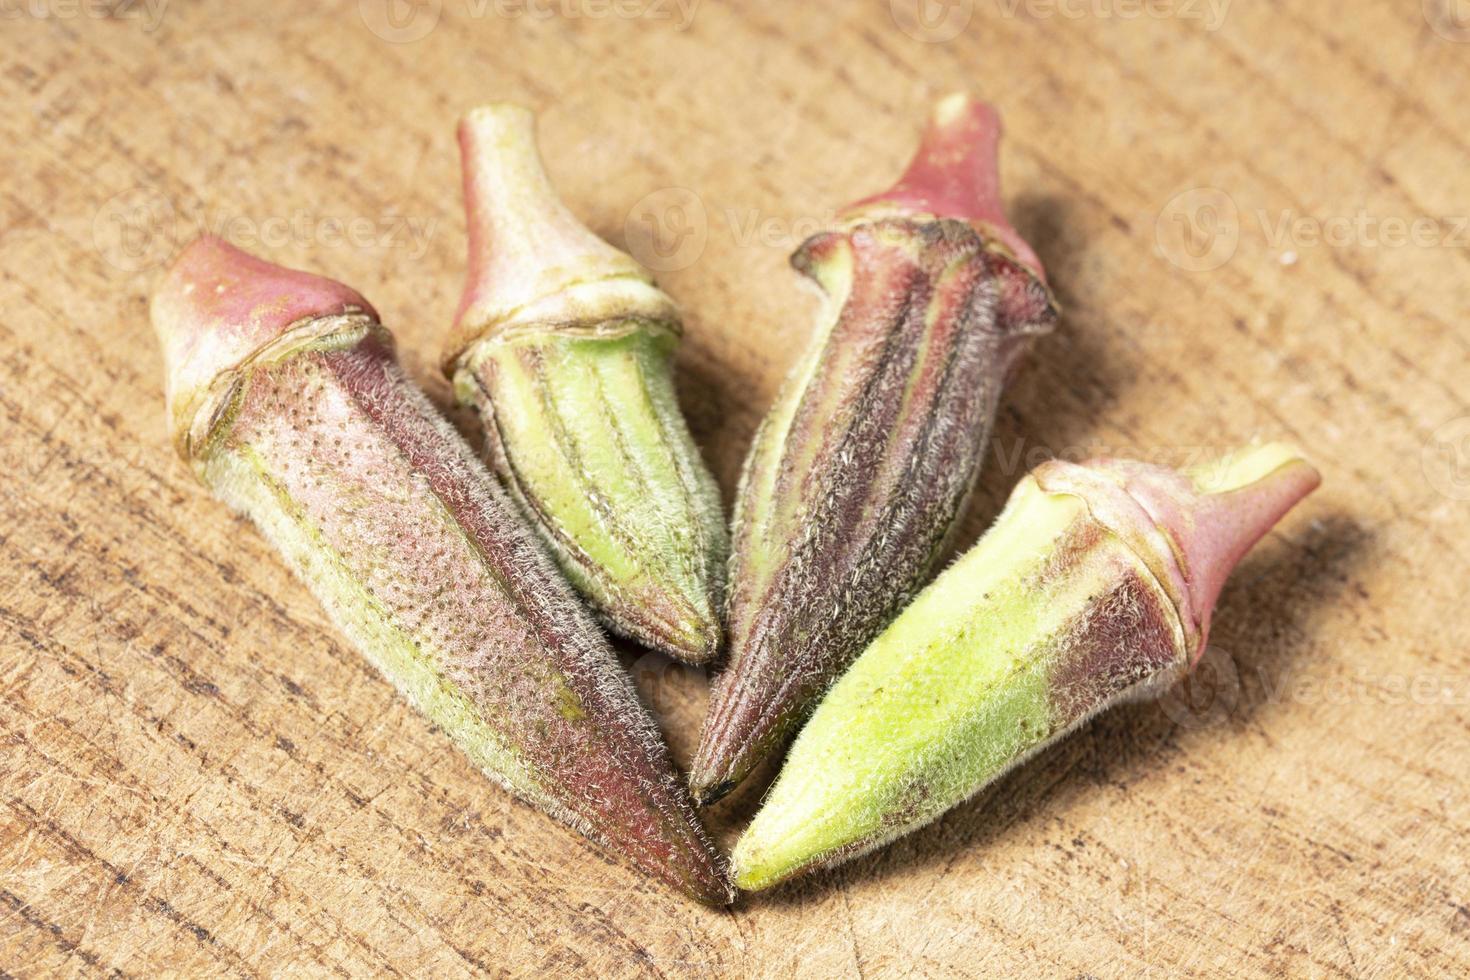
(956, 174)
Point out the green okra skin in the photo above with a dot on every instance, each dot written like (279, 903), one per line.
(860, 472)
(564, 346)
(286, 398)
(1095, 585)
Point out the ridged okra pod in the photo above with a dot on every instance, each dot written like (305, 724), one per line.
(286, 398)
(1095, 585)
(860, 472)
(564, 346)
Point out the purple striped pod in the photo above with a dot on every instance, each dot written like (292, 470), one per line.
(1095, 585)
(564, 347)
(287, 400)
(860, 472)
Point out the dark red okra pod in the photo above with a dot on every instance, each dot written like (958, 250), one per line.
(860, 472)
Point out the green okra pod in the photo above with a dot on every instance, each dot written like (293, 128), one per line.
(860, 472)
(1095, 585)
(564, 346)
(287, 400)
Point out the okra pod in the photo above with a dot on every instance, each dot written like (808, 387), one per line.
(1095, 585)
(564, 346)
(860, 473)
(287, 400)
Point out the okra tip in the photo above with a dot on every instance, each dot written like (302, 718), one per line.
(707, 784)
(713, 886)
(216, 308)
(740, 731)
(956, 174)
(781, 844)
(697, 641)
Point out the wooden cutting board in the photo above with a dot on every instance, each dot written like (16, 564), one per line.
(1255, 216)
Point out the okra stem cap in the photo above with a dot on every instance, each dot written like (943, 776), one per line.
(956, 174)
(1192, 528)
(216, 310)
(532, 263)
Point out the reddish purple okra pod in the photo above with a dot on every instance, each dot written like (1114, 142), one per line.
(861, 471)
(287, 400)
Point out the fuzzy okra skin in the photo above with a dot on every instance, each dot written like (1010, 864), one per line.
(1094, 586)
(861, 470)
(286, 398)
(564, 346)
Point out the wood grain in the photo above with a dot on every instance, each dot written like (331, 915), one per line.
(197, 777)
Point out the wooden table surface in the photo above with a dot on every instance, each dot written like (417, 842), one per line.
(1257, 217)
